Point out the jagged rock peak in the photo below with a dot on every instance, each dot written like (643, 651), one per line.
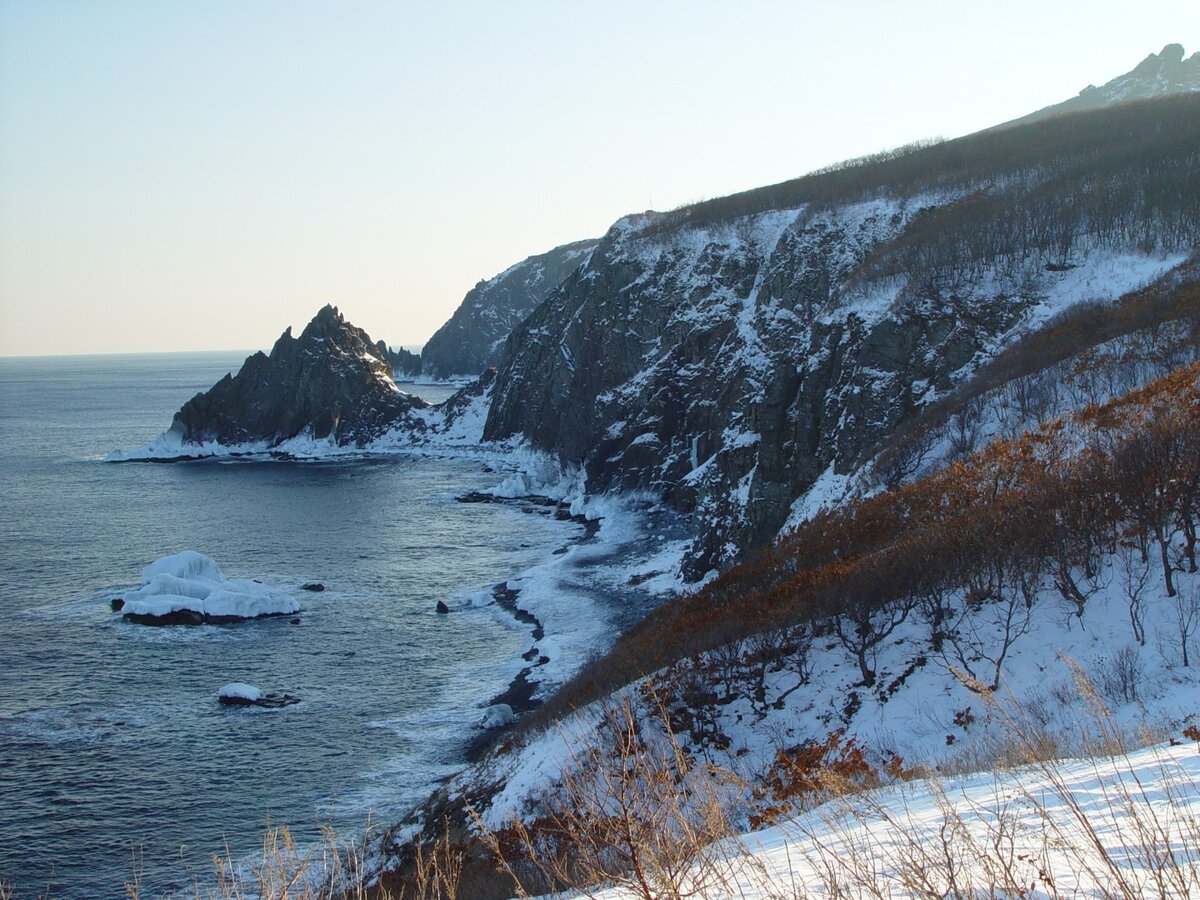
(1172, 53)
(332, 382)
(1158, 75)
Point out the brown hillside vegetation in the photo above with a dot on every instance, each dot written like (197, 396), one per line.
(1023, 514)
(1077, 332)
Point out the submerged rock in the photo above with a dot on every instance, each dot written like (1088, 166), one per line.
(238, 693)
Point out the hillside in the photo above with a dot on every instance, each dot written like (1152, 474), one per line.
(1031, 600)
(930, 418)
(473, 338)
(728, 355)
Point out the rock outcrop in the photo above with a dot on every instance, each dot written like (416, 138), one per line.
(1158, 75)
(332, 382)
(404, 363)
(473, 339)
(189, 588)
(239, 693)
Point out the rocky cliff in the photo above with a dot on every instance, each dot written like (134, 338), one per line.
(331, 382)
(473, 339)
(728, 355)
(403, 362)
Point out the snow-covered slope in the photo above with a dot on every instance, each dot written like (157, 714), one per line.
(1113, 826)
(921, 712)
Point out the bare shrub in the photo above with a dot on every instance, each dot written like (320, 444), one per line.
(1135, 576)
(1118, 676)
(1187, 621)
(966, 428)
(979, 640)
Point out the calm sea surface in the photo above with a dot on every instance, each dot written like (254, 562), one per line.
(111, 739)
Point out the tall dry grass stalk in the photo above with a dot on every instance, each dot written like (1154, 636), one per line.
(633, 811)
(1036, 836)
(330, 870)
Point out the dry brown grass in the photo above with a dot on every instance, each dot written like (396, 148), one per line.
(329, 870)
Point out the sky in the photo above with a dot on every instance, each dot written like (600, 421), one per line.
(198, 176)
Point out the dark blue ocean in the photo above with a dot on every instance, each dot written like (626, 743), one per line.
(111, 739)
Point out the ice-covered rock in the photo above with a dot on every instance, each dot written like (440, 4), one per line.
(497, 716)
(189, 588)
(239, 692)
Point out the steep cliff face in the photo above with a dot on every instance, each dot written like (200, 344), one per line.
(725, 361)
(331, 382)
(472, 340)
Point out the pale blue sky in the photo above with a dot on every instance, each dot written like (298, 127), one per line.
(185, 176)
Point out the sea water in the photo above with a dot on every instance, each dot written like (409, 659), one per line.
(115, 756)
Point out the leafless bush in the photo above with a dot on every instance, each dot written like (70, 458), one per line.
(1118, 676)
(1187, 621)
(1135, 576)
(966, 428)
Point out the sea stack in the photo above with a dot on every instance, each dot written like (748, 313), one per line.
(331, 383)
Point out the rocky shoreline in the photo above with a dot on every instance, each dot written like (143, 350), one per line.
(519, 694)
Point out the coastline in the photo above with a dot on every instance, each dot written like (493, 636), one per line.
(521, 690)
(573, 601)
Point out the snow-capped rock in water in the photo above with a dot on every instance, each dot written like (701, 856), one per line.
(190, 589)
(497, 716)
(238, 693)
(473, 339)
(331, 384)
